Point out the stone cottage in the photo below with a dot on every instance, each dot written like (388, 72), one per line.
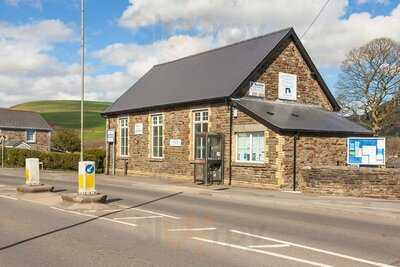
(25, 129)
(263, 95)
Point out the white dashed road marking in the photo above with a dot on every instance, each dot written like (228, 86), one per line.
(315, 249)
(139, 217)
(261, 252)
(8, 197)
(192, 229)
(157, 213)
(270, 246)
(93, 216)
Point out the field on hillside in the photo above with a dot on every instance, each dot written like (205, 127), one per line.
(66, 114)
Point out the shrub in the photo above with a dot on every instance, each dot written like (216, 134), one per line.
(54, 160)
(66, 140)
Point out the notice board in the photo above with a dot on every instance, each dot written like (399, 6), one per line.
(366, 151)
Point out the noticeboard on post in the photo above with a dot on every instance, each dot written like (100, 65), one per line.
(366, 151)
(110, 136)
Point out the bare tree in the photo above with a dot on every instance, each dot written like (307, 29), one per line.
(369, 84)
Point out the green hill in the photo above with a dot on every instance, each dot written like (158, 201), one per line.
(66, 114)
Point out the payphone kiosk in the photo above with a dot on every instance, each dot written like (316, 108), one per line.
(209, 162)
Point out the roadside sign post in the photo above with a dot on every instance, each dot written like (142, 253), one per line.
(3, 139)
(111, 142)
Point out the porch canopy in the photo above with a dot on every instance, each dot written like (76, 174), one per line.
(299, 118)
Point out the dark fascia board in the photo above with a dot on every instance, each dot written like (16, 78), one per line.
(166, 106)
(26, 128)
(272, 55)
(301, 132)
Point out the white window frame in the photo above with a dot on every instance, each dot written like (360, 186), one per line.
(162, 137)
(121, 127)
(251, 147)
(33, 136)
(201, 122)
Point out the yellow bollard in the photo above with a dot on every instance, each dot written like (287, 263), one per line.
(86, 180)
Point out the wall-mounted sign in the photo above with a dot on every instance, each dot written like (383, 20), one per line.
(257, 89)
(365, 151)
(110, 136)
(138, 128)
(287, 86)
(175, 142)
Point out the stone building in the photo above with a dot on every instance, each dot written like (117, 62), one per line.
(264, 95)
(25, 129)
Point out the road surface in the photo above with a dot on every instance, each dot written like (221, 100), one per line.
(150, 224)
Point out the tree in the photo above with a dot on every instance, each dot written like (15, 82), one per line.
(369, 83)
(66, 140)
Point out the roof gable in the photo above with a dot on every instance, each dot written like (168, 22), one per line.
(216, 74)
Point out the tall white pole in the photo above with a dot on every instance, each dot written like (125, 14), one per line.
(83, 70)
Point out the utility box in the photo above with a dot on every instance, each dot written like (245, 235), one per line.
(87, 174)
(32, 171)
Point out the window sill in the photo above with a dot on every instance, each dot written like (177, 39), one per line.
(156, 159)
(248, 164)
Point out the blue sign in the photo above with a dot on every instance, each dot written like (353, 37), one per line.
(366, 151)
(89, 169)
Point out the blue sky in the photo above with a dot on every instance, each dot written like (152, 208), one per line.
(40, 38)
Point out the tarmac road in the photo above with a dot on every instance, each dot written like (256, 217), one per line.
(151, 223)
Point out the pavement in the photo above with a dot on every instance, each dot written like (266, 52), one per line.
(159, 222)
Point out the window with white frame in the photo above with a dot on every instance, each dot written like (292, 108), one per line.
(157, 136)
(250, 147)
(30, 136)
(123, 129)
(200, 125)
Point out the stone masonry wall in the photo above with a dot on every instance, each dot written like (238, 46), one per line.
(348, 181)
(312, 151)
(290, 61)
(177, 125)
(260, 174)
(42, 143)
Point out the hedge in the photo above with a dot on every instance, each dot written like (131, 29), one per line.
(54, 160)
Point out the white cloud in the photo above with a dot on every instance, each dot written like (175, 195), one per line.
(28, 72)
(140, 58)
(27, 64)
(232, 20)
(33, 3)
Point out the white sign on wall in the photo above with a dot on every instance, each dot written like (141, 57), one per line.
(138, 128)
(257, 89)
(287, 86)
(110, 135)
(175, 142)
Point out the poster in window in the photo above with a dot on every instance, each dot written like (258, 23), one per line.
(287, 86)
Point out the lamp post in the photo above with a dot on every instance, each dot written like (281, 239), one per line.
(82, 70)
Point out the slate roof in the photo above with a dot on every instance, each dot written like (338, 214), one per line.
(299, 118)
(212, 75)
(16, 119)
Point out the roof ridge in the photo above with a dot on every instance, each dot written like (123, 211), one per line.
(225, 46)
(19, 110)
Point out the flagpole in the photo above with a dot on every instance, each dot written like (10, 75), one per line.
(82, 71)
